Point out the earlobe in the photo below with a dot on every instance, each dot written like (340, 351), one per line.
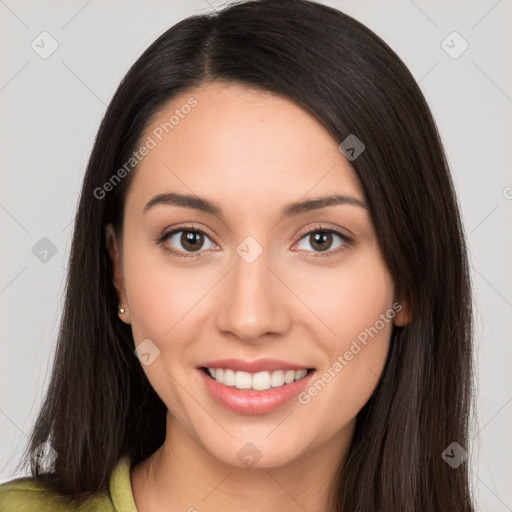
(115, 256)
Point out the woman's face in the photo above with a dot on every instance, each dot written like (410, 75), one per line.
(255, 285)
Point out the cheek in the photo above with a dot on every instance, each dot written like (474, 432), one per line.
(355, 303)
(351, 299)
(163, 301)
(160, 293)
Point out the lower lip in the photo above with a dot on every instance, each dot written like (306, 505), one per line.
(253, 402)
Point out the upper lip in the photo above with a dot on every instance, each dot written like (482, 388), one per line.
(259, 365)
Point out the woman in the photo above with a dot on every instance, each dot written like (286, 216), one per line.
(268, 302)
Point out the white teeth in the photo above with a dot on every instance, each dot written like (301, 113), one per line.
(260, 381)
(277, 379)
(289, 377)
(229, 377)
(243, 380)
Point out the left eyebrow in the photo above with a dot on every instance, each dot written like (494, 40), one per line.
(204, 205)
(322, 202)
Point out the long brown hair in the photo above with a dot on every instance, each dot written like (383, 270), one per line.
(99, 405)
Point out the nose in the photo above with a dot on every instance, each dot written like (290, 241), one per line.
(254, 302)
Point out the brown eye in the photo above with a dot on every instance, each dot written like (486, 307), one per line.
(192, 240)
(323, 240)
(183, 241)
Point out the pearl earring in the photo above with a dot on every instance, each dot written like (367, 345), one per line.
(121, 310)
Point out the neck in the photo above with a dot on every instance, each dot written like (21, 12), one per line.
(183, 475)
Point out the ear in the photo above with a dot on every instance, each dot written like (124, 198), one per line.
(402, 310)
(113, 246)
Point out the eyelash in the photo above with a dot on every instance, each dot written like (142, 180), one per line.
(347, 241)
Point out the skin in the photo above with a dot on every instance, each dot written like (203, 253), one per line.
(252, 153)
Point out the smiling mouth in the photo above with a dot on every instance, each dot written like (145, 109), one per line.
(260, 381)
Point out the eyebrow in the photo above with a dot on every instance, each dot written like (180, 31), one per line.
(198, 203)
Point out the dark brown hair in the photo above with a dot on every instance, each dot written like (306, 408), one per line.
(100, 405)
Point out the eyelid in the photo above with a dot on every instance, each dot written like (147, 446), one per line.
(183, 227)
(323, 227)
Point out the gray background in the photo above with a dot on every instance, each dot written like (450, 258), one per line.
(51, 109)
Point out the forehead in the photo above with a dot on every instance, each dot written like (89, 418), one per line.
(240, 146)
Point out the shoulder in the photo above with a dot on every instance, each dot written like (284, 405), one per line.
(25, 494)
(29, 495)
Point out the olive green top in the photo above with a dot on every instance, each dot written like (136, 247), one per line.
(28, 495)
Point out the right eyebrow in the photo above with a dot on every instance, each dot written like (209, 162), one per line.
(186, 201)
